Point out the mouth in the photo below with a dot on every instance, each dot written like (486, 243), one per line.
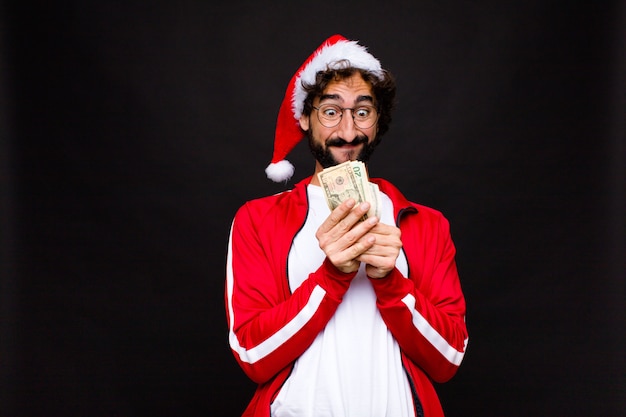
(346, 146)
(346, 152)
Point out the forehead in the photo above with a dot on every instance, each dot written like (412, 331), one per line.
(348, 89)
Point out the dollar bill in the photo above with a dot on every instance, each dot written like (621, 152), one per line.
(375, 202)
(349, 180)
(339, 184)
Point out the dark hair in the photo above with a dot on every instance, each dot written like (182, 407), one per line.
(384, 90)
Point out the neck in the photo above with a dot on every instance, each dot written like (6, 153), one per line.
(318, 168)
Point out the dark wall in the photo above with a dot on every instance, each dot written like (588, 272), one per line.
(132, 131)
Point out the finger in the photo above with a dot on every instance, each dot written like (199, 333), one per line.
(339, 240)
(350, 237)
(386, 246)
(343, 218)
(377, 273)
(338, 214)
(347, 259)
(379, 250)
(378, 266)
(353, 217)
(387, 230)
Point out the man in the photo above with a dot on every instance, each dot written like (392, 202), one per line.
(330, 314)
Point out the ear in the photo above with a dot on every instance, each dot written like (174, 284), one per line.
(304, 122)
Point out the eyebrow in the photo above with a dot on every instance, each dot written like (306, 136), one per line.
(359, 99)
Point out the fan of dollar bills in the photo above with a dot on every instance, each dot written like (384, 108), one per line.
(350, 180)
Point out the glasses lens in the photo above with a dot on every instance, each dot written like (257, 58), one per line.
(365, 116)
(329, 115)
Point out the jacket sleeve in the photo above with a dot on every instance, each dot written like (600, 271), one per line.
(269, 327)
(426, 313)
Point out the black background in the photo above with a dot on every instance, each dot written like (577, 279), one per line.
(132, 131)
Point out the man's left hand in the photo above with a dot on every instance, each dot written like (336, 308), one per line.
(381, 258)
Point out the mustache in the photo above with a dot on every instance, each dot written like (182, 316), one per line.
(339, 142)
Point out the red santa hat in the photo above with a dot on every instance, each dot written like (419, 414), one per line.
(288, 132)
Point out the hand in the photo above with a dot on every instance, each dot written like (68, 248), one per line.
(381, 256)
(344, 238)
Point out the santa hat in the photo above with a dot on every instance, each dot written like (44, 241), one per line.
(288, 132)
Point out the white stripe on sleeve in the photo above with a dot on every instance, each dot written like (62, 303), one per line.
(449, 352)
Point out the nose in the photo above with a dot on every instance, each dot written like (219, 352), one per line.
(347, 128)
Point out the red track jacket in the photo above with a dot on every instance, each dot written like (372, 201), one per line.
(270, 327)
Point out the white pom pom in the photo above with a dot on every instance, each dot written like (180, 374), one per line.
(280, 171)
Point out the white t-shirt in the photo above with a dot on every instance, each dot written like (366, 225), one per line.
(353, 368)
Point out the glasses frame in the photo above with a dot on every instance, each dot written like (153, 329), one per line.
(342, 111)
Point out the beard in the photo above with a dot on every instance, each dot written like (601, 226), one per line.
(326, 159)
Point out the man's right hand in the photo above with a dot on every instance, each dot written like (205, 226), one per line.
(343, 237)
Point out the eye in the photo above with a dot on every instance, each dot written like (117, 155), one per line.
(362, 112)
(331, 112)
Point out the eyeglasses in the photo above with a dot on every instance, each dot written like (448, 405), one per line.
(364, 116)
